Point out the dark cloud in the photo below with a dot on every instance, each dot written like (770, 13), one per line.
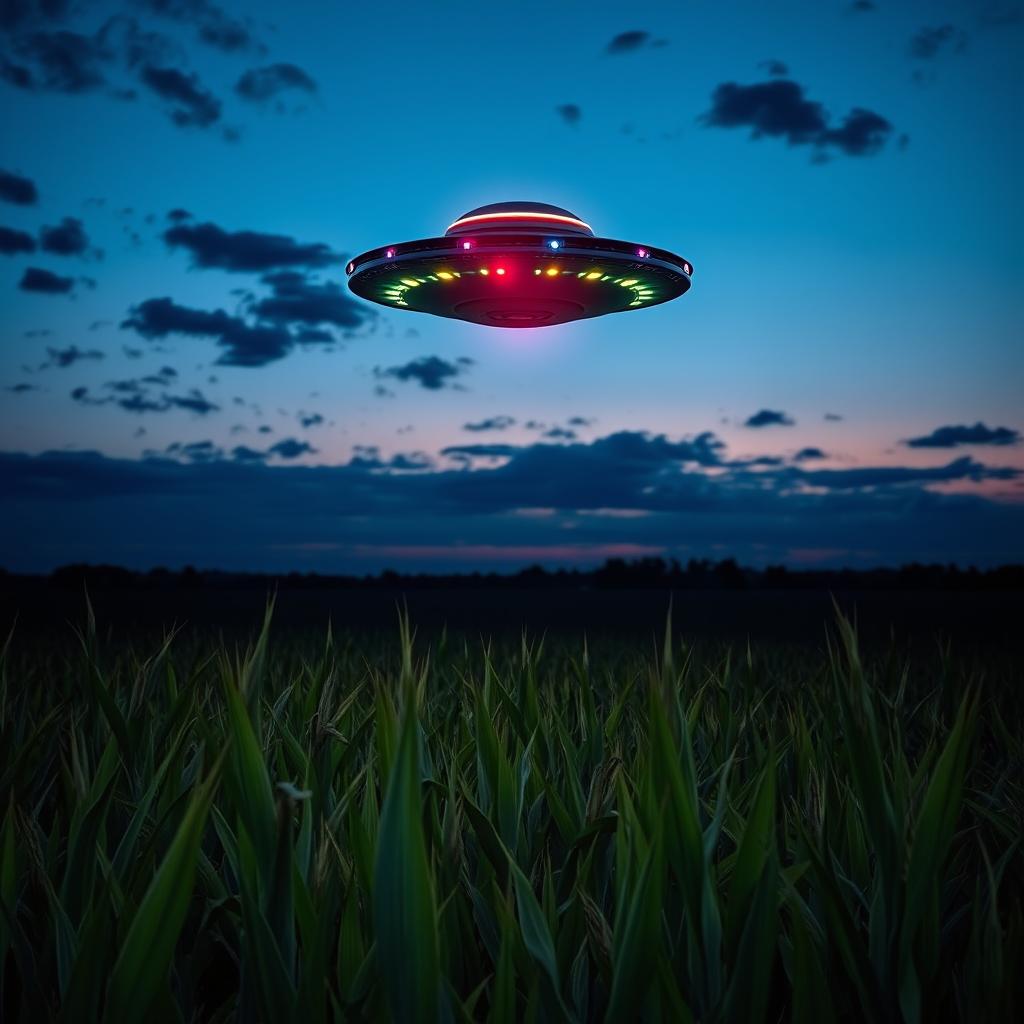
(952, 436)
(779, 109)
(861, 133)
(626, 488)
(630, 451)
(193, 401)
(37, 280)
(21, 388)
(581, 421)
(862, 6)
(833, 417)
(482, 451)
(313, 336)
(177, 215)
(430, 372)
(310, 419)
(368, 457)
(896, 476)
(64, 357)
(71, 62)
(14, 13)
(165, 375)
(261, 84)
(212, 246)
(135, 395)
(66, 239)
(775, 68)
(570, 113)
(297, 299)
(14, 74)
(244, 344)
(809, 454)
(768, 418)
(13, 241)
(195, 451)
(490, 423)
(60, 61)
(930, 41)
(289, 448)
(560, 434)
(213, 25)
(16, 189)
(192, 104)
(628, 42)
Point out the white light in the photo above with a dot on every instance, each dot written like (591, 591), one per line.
(554, 244)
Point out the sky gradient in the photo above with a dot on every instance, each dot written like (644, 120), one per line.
(186, 380)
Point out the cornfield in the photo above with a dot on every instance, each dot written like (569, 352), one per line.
(349, 828)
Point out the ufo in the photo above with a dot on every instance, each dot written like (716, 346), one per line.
(519, 265)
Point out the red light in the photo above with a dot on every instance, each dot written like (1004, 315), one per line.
(500, 271)
(467, 245)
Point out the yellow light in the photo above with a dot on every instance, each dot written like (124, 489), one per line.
(628, 283)
(484, 271)
(552, 271)
(593, 275)
(410, 283)
(444, 275)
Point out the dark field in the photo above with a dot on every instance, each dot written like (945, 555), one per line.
(463, 823)
(989, 618)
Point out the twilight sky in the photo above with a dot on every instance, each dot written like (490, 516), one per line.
(185, 379)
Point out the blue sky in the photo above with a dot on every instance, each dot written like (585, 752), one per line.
(876, 281)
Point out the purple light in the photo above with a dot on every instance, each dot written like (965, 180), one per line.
(642, 253)
(390, 253)
(351, 267)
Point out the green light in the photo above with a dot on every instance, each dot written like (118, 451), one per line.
(593, 275)
(410, 283)
(628, 283)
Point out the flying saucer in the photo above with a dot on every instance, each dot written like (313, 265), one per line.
(519, 265)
